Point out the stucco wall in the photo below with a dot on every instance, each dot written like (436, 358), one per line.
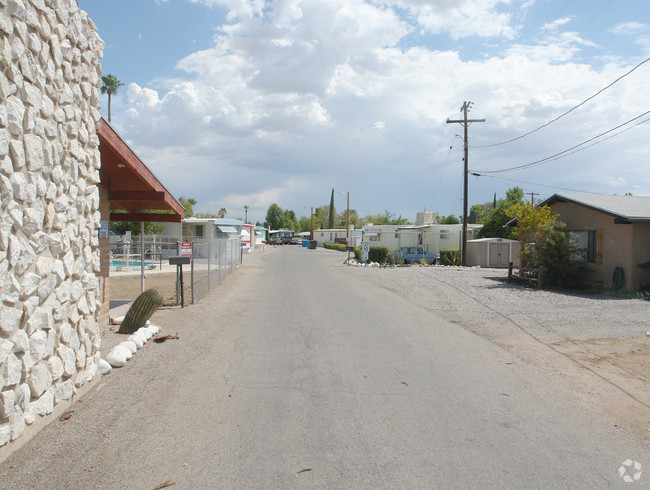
(623, 245)
(49, 171)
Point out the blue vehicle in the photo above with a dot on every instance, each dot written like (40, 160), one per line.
(417, 254)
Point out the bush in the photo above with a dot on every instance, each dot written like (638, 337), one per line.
(378, 254)
(450, 257)
(390, 260)
(335, 246)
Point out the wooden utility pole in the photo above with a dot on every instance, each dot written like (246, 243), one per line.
(347, 222)
(532, 197)
(465, 122)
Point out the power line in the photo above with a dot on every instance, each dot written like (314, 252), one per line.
(567, 112)
(566, 152)
(476, 174)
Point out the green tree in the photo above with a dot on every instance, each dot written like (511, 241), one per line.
(544, 244)
(291, 221)
(188, 204)
(275, 218)
(304, 224)
(478, 213)
(515, 195)
(449, 220)
(494, 223)
(387, 218)
(332, 213)
(222, 213)
(110, 86)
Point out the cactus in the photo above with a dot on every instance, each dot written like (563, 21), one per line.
(141, 310)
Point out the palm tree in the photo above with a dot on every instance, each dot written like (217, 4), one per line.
(246, 212)
(222, 213)
(111, 84)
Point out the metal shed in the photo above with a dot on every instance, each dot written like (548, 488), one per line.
(493, 252)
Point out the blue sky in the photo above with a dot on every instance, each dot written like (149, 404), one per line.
(250, 102)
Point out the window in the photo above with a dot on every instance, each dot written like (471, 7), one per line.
(375, 238)
(444, 234)
(198, 231)
(322, 234)
(397, 234)
(331, 236)
(589, 244)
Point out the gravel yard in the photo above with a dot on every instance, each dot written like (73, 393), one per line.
(596, 344)
(482, 300)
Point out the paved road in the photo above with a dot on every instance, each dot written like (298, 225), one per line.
(296, 373)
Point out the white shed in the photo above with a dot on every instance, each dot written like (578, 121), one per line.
(493, 252)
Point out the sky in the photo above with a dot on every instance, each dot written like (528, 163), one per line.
(252, 102)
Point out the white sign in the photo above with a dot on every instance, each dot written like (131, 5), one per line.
(186, 249)
(365, 250)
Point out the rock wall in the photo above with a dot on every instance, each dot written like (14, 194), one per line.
(49, 171)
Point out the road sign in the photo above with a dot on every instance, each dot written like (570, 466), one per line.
(186, 249)
(365, 250)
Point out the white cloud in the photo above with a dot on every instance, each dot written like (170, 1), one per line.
(460, 18)
(296, 97)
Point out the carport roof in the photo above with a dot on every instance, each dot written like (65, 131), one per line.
(132, 187)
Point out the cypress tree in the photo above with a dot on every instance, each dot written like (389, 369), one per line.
(332, 211)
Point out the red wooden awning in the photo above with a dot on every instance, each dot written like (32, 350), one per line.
(132, 187)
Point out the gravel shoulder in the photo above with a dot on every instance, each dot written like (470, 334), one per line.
(596, 346)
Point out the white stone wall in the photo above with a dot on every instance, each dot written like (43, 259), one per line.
(49, 171)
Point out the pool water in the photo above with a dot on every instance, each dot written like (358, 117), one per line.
(136, 263)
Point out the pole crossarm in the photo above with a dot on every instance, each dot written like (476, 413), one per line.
(465, 122)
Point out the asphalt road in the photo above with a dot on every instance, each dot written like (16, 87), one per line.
(296, 373)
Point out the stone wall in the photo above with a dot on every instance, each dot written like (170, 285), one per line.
(49, 171)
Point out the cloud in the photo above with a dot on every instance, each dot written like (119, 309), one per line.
(296, 97)
(460, 18)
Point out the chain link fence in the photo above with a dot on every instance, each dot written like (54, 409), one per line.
(212, 262)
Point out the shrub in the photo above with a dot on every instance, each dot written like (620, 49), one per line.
(378, 254)
(335, 246)
(450, 257)
(390, 260)
(399, 256)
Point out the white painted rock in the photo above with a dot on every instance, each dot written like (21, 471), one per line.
(154, 330)
(103, 367)
(129, 344)
(137, 340)
(145, 332)
(117, 320)
(118, 355)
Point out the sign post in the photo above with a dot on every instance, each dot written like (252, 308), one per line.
(365, 251)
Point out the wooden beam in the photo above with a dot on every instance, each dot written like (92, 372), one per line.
(152, 196)
(146, 217)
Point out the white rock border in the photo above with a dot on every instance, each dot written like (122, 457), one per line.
(122, 352)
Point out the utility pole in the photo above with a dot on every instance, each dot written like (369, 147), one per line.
(465, 122)
(532, 197)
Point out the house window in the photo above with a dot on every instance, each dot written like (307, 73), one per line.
(397, 234)
(322, 234)
(331, 235)
(375, 238)
(444, 234)
(587, 244)
(198, 231)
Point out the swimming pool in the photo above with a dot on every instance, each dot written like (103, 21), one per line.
(133, 263)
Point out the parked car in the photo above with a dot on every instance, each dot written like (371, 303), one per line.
(416, 254)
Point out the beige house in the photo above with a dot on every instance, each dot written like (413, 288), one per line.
(613, 231)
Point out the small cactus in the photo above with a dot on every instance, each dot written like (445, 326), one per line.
(141, 310)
